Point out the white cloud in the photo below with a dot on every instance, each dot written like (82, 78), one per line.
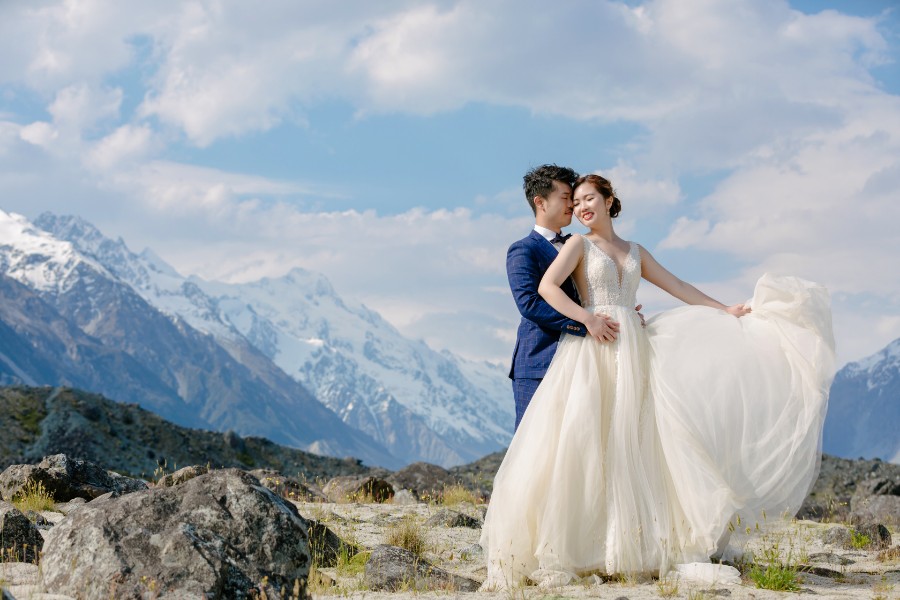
(80, 106)
(827, 208)
(39, 133)
(230, 68)
(126, 144)
(643, 195)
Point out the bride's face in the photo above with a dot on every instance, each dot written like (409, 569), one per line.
(590, 205)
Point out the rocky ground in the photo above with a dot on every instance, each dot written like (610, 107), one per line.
(826, 566)
(235, 534)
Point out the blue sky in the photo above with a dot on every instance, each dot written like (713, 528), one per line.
(383, 144)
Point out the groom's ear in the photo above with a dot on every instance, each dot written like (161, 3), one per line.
(539, 202)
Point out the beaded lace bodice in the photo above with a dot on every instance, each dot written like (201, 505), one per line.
(605, 287)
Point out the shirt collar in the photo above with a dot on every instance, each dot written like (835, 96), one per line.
(547, 233)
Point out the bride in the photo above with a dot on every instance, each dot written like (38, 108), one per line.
(635, 456)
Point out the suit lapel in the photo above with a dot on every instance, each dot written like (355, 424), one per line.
(547, 249)
(549, 252)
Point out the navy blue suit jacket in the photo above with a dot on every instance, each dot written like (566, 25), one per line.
(526, 262)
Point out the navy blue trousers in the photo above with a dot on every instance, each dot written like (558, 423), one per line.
(523, 390)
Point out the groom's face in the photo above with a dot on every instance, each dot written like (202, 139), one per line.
(556, 208)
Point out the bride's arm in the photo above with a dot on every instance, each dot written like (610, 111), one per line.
(600, 326)
(656, 274)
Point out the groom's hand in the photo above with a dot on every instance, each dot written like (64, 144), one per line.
(637, 309)
(602, 328)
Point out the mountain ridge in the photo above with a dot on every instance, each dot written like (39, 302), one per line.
(80, 310)
(419, 403)
(863, 418)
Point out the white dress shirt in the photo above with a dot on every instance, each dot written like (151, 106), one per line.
(548, 234)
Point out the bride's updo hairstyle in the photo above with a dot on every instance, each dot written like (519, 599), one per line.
(602, 185)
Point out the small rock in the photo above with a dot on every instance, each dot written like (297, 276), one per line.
(829, 557)
(813, 510)
(104, 497)
(182, 475)
(877, 508)
(392, 568)
(355, 488)
(878, 535)
(288, 487)
(404, 498)
(879, 486)
(837, 536)
(820, 571)
(73, 504)
(20, 540)
(474, 551)
(423, 479)
(451, 518)
(52, 516)
(39, 520)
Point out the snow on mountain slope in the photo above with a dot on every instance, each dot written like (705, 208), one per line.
(83, 324)
(864, 408)
(419, 403)
(35, 257)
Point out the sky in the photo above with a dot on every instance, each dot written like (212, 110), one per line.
(384, 143)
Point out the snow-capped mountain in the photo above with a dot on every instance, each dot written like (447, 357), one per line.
(419, 403)
(66, 319)
(864, 408)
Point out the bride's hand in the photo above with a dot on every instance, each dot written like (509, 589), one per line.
(602, 328)
(738, 310)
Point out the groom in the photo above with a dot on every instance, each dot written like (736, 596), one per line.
(548, 189)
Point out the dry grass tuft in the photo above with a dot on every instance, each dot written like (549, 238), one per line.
(890, 555)
(667, 588)
(409, 534)
(457, 494)
(34, 496)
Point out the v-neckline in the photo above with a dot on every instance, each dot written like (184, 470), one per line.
(620, 272)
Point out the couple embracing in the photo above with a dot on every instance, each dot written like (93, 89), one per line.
(638, 444)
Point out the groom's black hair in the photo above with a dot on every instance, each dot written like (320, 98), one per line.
(539, 181)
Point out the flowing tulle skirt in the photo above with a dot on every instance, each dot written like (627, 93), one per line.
(634, 456)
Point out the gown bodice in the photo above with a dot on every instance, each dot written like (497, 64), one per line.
(605, 285)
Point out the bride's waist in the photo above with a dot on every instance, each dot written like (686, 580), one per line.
(592, 308)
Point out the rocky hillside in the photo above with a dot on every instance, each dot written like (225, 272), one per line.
(38, 422)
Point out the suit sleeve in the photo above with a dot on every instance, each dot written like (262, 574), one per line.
(524, 278)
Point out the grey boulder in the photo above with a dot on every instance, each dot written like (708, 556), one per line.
(219, 535)
(451, 518)
(876, 500)
(425, 480)
(20, 540)
(355, 488)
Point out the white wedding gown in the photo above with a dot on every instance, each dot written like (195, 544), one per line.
(634, 456)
